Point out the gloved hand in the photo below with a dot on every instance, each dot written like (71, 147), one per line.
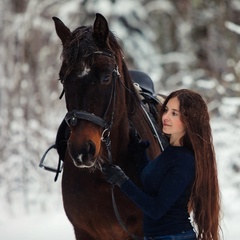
(138, 147)
(114, 174)
(142, 145)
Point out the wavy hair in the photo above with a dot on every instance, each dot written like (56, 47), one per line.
(205, 196)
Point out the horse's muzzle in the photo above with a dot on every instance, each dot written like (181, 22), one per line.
(83, 157)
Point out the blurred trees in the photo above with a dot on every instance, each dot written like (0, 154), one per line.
(179, 43)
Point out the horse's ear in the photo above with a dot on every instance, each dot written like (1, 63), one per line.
(62, 31)
(100, 29)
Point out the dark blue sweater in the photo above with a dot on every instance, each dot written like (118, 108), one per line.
(167, 183)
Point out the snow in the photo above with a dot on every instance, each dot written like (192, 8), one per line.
(232, 27)
(54, 224)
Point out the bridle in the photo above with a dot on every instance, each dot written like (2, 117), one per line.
(73, 116)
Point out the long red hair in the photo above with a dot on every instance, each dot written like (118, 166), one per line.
(205, 196)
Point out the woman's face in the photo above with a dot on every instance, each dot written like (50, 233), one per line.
(172, 124)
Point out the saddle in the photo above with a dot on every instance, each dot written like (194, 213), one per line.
(145, 85)
(145, 89)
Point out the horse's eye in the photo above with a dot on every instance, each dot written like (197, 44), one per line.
(106, 78)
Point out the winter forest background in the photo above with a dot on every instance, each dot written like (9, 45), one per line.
(180, 43)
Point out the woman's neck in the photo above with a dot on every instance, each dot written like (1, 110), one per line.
(175, 142)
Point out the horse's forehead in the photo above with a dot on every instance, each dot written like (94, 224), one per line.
(86, 66)
(100, 63)
(84, 71)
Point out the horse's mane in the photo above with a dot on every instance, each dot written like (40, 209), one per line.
(73, 54)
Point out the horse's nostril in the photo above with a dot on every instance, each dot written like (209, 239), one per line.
(91, 148)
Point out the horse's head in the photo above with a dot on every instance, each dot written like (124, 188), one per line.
(90, 74)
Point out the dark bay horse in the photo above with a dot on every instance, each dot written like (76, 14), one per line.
(103, 107)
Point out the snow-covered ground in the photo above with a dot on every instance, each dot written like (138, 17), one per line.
(54, 225)
(35, 226)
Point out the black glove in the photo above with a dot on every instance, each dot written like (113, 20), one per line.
(114, 174)
(138, 146)
(142, 145)
(138, 150)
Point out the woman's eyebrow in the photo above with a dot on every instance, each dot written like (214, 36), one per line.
(175, 110)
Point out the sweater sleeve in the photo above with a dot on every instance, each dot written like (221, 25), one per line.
(178, 178)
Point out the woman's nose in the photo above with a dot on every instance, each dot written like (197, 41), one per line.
(165, 120)
(165, 117)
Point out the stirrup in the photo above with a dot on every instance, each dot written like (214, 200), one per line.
(51, 169)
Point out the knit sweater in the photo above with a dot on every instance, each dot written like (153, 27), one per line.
(167, 183)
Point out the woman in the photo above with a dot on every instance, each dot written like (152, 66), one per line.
(182, 180)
